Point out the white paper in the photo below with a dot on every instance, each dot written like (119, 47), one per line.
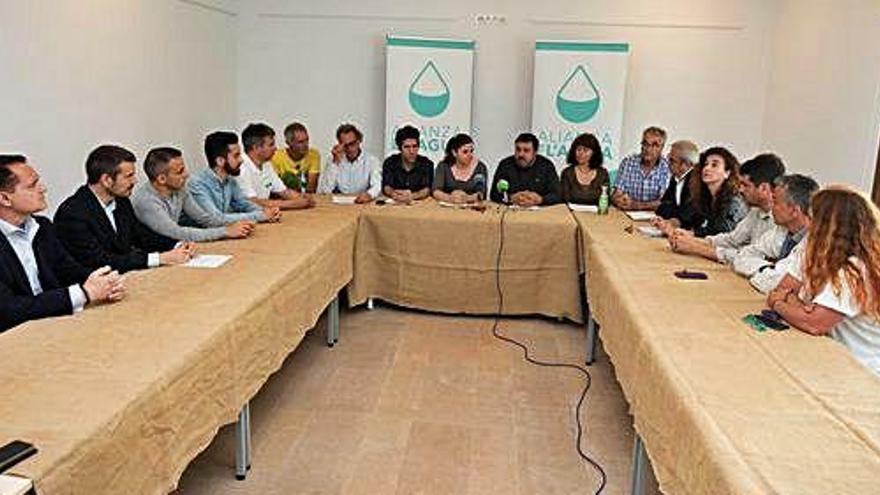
(343, 200)
(525, 208)
(639, 216)
(208, 261)
(650, 231)
(583, 208)
(14, 485)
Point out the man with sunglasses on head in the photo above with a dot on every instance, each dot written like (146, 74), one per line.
(642, 178)
(349, 170)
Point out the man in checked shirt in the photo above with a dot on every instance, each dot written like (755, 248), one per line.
(643, 177)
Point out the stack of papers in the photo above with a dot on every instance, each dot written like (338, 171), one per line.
(650, 231)
(207, 261)
(640, 216)
(583, 208)
(14, 485)
(343, 200)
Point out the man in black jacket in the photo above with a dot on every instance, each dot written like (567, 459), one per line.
(38, 278)
(98, 226)
(683, 156)
(532, 179)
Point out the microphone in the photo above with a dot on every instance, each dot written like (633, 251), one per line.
(502, 186)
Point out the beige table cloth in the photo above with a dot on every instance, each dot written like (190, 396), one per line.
(723, 409)
(120, 398)
(443, 259)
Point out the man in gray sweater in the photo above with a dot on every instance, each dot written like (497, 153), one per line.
(160, 203)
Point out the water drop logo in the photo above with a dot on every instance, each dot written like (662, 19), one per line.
(578, 99)
(429, 93)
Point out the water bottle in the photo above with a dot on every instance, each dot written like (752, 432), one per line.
(603, 201)
(303, 180)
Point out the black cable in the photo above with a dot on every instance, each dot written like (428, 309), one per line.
(589, 378)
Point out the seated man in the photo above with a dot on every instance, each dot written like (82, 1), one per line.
(642, 178)
(97, 224)
(756, 186)
(766, 261)
(38, 278)
(683, 156)
(160, 202)
(298, 159)
(258, 180)
(532, 179)
(350, 170)
(407, 176)
(214, 190)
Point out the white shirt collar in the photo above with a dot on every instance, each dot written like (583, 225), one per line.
(29, 228)
(252, 164)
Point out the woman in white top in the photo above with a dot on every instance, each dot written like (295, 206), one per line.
(833, 288)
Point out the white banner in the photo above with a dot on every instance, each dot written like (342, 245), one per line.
(579, 87)
(428, 85)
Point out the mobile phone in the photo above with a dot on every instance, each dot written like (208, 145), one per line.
(380, 202)
(775, 324)
(691, 275)
(14, 452)
(755, 323)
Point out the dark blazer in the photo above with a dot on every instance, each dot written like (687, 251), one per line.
(541, 178)
(58, 270)
(87, 234)
(669, 208)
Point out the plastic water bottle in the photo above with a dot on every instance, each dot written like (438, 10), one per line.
(303, 180)
(603, 201)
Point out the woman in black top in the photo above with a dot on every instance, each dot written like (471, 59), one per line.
(582, 181)
(715, 206)
(460, 177)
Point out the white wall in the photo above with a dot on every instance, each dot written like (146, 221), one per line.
(138, 73)
(699, 70)
(823, 104)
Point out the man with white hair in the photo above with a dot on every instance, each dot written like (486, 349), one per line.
(683, 155)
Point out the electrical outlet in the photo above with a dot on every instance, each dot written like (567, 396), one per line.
(489, 19)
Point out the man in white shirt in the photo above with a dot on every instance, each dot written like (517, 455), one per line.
(766, 261)
(349, 170)
(756, 186)
(258, 180)
(38, 278)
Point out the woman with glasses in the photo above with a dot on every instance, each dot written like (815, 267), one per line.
(460, 177)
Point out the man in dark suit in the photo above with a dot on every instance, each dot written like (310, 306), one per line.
(97, 224)
(683, 155)
(38, 278)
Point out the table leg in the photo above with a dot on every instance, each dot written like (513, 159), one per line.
(640, 465)
(242, 438)
(333, 322)
(591, 339)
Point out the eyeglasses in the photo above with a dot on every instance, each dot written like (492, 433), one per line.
(648, 144)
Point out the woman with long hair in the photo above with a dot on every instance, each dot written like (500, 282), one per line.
(582, 181)
(832, 288)
(460, 177)
(715, 205)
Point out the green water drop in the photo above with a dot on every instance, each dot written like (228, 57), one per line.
(578, 110)
(429, 93)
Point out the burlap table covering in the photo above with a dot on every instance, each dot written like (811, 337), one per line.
(443, 259)
(724, 409)
(120, 398)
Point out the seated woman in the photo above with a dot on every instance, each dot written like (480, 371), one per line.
(583, 179)
(715, 205)
(460, 177)
(832, 288)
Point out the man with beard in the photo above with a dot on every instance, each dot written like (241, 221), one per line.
(214, 190)
(97, 225)
(532, 179)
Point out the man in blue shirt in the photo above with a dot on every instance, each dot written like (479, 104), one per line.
(642, 178)
(215, 191)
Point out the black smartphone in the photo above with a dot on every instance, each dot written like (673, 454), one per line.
(381, 202)
(691, 275)
(14, 452)
(775, 324)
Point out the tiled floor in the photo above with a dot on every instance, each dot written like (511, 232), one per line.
(415, 403)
